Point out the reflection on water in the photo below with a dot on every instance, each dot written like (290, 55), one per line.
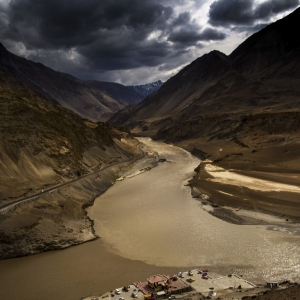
(150, 218)
(153, 218)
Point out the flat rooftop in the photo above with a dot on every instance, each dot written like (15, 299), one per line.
(176, 285)
(144, 287)
(157, 278)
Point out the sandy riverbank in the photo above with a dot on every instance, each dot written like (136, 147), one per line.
(237, 215)
(258, 180)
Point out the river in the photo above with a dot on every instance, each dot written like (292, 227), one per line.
(150, 224)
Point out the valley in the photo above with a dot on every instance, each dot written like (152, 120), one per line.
(43, 148)
(102, 183)
(129, 219)
(240, 112)
(90, 99)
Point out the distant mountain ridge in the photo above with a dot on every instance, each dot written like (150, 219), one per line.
(37, 135)
(240, 114)
(261, 76)
(94, 100)
(147, 89)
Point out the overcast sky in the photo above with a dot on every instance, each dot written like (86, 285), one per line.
(130, 41)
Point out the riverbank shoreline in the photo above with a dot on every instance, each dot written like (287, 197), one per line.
(264, 180)
(193, 238)
(143, 184)
(63, 232)
(58, 219)
(202, 187)
(237, 214)
(233, 213)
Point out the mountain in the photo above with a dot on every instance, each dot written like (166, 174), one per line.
(241, 110)
(44, 145)
(94, 100)
(147, 89)
(259, 77)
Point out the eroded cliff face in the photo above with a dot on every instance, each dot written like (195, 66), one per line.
(43, 145)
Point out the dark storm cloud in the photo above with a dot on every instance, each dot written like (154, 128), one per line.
(186, 31)
(184, 36)
(182, 19)
(95, 39)
(244, 12)
(68, 23)
(190, 37)
(249, 29)
(224, 12)
(107, 35)
(270, 7)
(123, 52)
(210, 34)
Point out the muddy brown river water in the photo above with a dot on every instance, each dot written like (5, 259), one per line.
(150, 224)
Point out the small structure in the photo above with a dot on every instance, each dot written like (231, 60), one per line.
(272, 284)
(158, 282)
(160, 285)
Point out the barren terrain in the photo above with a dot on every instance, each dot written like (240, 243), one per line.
(261, 180)
(242, 113)
(44, 145)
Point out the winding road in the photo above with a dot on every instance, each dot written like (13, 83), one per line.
(8, 206)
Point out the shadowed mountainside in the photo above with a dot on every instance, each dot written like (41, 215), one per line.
(247, 103)
(94, 100)
(262, 75)
(41, 145)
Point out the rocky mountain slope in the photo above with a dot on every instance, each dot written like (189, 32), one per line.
(261, 75)
(147, 89)
(41, 145)
(219, 96)
(94, 100)
(247, 103)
